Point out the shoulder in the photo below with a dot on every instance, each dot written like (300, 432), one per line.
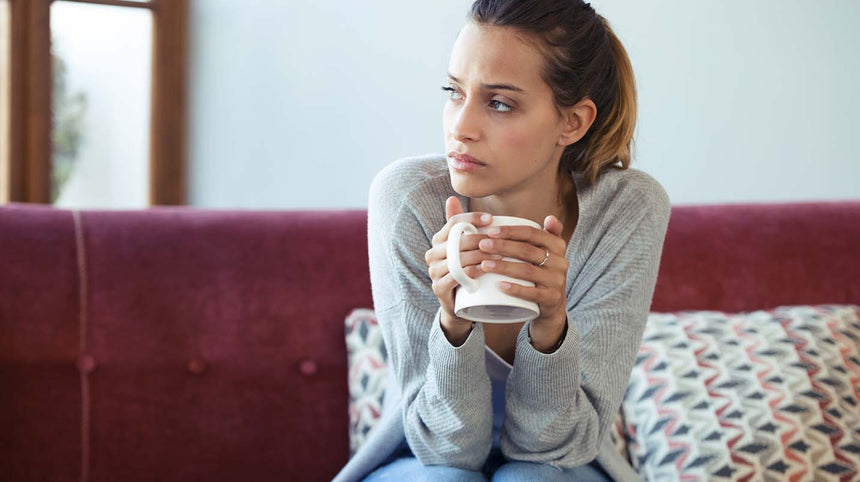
(404, 176)
(633, 187)
(410, 193)
(421, 183)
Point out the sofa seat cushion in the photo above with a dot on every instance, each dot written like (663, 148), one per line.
(761, 395)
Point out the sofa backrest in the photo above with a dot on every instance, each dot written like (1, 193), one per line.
(744, 257)
(177, 343)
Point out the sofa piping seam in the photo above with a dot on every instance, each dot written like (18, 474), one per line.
(82, 344)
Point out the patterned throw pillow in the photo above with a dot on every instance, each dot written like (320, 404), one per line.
(762, 395)
(368, 368)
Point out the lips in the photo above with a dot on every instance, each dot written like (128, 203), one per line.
(464, 163)
(465, 158)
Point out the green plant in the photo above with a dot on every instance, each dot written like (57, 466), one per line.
(67, 126)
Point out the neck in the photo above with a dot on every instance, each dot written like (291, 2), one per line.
(534, 201)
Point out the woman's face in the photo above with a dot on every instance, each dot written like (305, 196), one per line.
(514, 130)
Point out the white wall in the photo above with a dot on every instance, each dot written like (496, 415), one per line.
(296, 105)
(746, 100)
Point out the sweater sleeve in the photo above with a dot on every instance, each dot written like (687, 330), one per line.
(446, 393)
(559, 406)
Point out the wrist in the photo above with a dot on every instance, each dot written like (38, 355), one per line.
(456, 330)
(547, 339)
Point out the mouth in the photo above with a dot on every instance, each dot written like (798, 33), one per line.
(464, 162)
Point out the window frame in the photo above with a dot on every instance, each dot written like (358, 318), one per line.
(30, 148)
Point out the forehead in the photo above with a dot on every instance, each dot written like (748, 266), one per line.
(488, 54)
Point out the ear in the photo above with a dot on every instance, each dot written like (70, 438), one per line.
(576, 120)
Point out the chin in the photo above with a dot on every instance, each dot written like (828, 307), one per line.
(467, 187)
(460, 185)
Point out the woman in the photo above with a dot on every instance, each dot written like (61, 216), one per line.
(538, 124)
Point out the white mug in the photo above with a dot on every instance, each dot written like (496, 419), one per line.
(480, 299)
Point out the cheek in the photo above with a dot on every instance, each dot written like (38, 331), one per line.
(536, 131)
(519, 141)
(515, 138)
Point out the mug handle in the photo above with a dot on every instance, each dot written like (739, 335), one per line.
(453, 249)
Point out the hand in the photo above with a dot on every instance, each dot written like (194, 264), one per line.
(531, 245)
(470, 256)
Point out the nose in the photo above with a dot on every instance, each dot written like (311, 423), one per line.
(465, 123)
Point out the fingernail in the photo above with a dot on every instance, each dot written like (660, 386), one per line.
(485, 218)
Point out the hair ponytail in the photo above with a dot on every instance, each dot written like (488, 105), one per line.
(612, 140)
(583, 58)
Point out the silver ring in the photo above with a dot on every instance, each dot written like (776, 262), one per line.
(544, 259)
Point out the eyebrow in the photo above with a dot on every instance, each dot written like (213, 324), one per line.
(493, 86)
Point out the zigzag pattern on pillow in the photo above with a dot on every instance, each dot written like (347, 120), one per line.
(368, 371)
(763, 395)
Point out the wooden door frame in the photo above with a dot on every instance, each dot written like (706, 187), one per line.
(30, 150)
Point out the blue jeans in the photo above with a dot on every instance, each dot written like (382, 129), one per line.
(497, 468)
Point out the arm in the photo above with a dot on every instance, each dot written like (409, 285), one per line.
(559, 405)
(446, 391)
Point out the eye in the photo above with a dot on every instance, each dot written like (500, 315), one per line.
(504, 107)
(498, 102)
(450, 90)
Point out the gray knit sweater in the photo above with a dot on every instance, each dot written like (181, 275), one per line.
(558, 406)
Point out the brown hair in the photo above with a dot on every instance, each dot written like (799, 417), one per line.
(584, 58)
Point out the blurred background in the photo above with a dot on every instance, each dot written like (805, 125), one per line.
(296, 104)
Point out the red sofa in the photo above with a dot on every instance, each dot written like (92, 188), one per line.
(177, 343)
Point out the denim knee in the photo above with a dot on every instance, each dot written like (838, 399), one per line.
(525, 471)
(528, 471)
(409, 468)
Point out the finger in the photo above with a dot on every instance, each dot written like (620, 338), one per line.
(472, 259)
(439, 268)
(552, 225)
(541, 295)
(447, 283)
(452, 207)
(468, 242)
(524, 271)
(515, 249)
(476, 219)
(476, 257)
(532, 235)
